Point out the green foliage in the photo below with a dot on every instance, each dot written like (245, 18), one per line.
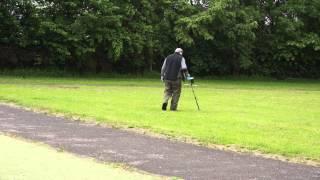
(220, 37)
(288, 41)
(227, 28)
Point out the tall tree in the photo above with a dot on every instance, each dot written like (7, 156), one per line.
(225, 33)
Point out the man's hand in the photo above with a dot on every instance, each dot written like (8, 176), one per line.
(161, 78)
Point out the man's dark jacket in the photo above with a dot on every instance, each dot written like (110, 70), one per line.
(172, 67)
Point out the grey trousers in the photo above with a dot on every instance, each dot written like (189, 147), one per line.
(172, 90)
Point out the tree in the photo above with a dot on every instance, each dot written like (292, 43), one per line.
(225, 33)
(220, 37)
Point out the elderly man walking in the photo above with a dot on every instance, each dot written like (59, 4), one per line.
(174, 68)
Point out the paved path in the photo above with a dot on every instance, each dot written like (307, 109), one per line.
(150, 154)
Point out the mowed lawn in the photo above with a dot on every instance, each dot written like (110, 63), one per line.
(276, 117)
(28, 161)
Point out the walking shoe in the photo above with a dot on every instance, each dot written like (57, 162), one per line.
(164, 106)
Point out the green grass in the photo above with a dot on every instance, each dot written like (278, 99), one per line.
(27, 161)
(277, 117)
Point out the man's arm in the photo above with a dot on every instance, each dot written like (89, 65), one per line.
(184, 68)
(183, 64)
(163, 69)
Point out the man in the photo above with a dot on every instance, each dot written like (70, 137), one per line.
(174, 68)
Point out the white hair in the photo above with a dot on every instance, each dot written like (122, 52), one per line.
(179, 50)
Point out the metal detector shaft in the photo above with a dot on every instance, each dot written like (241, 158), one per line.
(195, 97)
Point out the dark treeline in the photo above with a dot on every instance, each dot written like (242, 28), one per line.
(279, 38)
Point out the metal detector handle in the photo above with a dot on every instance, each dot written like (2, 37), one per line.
(191, 79)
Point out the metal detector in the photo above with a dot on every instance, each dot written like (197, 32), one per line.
(191, 79)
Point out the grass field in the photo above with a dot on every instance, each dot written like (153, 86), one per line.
(24, 160)
(276, 117)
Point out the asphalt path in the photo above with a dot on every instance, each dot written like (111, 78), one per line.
(150, 154)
